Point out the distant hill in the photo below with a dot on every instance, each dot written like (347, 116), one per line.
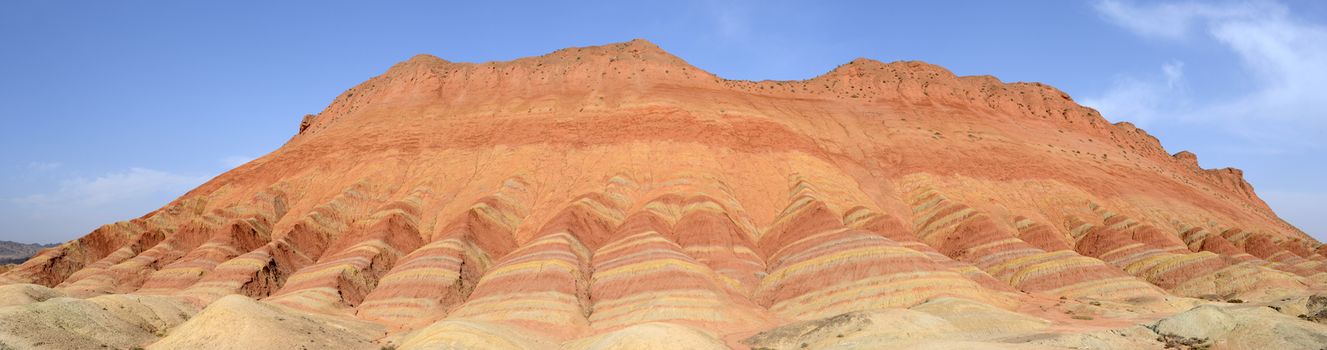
(17, 253)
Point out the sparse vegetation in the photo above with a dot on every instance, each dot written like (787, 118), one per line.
(1172, 341)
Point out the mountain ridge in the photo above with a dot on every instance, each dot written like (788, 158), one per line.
(15, 252)
(913, 80)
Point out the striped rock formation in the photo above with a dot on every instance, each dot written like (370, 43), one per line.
(616, 196)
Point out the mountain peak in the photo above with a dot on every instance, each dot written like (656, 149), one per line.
(424, 58)
(642, 44)
(634, 52)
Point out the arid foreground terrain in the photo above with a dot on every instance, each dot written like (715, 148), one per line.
(616, 197)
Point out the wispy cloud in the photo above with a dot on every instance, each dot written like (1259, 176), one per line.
(1178, 19)
(112, 188)
(731, 20)
(235, 161)
(1143, 100)
(74, 206)
(1279, 113)
(1286, 56)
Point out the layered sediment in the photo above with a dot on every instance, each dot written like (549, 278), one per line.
(616, 195)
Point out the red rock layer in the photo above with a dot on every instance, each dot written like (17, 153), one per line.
(965, 234)
(1190, 274)
(820, 268)
(427, 282)
(642, 276)
(356, 260)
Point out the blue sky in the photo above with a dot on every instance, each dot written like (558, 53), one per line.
(111, 109)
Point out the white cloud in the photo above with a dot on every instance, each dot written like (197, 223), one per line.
(1286, 57)
(113, 188)
(235, 161)
(1142, 101)
(1174, 72)
(75, 206)
(1176, 20)
(1279, 113)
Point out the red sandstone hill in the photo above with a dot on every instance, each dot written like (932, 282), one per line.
(566, 198)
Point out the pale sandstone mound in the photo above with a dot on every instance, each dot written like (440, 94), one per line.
(238, 322)
(856, 328)
(975, 318)
(462, 334)
(19, 294)
(647, 336)
(112, 321)
(936, 324)
(595, 195)
(1240, 328)
(1311, 308)
(1135, 337)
